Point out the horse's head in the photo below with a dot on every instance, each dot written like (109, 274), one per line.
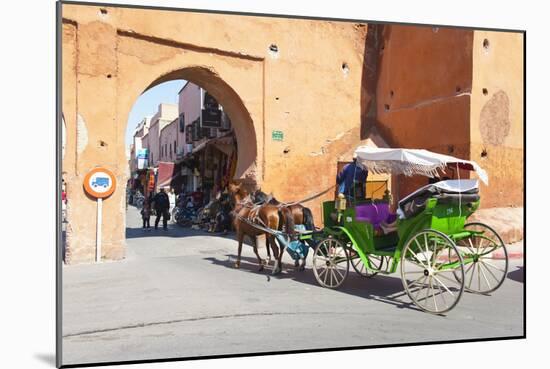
(259, 196)
(237, 193)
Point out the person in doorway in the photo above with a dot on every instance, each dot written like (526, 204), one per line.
(146, 215)
(162, 204)
(351, 181)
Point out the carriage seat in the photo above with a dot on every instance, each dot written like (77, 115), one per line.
(451, 191)
(374, 214)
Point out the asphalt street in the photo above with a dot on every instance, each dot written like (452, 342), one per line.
(177, 294)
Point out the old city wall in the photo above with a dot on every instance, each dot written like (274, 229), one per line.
(496, 117)
(327, 86)
(300, 77)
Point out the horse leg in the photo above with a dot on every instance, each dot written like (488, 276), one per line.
(270, 244)
(260, 261)
(240, 237)
(268, 250)
(278, 268)
(303, 265)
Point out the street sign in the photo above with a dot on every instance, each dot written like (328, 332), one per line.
(211, 118)
(277, 135)
(99, 183)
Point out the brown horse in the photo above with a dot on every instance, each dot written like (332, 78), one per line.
(300, 213)
(266, 215)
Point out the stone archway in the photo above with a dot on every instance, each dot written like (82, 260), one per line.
(131, 64)
(233, 105)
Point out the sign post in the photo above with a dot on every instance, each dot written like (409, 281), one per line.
(98, 230)
(99, 183)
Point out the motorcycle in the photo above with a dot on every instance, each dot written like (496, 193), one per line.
(185, 217)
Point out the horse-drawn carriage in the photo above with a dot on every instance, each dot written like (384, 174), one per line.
(438, 254)
(428, 239)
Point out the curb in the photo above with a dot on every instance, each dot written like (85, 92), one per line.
(511, 255)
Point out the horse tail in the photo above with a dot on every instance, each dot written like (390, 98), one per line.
(308, 219)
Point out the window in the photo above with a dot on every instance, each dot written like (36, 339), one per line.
(175, 152)
(170, 150)
(182, 122)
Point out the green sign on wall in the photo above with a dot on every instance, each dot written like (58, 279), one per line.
(277, 135)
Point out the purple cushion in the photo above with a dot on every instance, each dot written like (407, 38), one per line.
(373, 213)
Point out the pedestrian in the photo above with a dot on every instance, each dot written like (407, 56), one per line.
(162, 204)
(172, 199)
(146, 214)
(351, 181)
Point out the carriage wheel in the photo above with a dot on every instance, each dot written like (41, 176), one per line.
(482, 273)
(330, 263)
(428, 262)
(360, 268)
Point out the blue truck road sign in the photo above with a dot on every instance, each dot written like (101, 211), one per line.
(101, 181)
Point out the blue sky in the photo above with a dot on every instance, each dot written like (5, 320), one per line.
(148, 102)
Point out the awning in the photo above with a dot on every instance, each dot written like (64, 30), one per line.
(200, 146)
(165, 174)
(412, 161)
(223, 143)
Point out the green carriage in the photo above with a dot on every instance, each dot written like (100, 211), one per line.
(429, 240)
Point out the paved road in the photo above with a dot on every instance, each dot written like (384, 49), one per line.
(177, 294)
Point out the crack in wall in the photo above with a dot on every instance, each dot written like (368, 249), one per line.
(430, 101)
(188, 46)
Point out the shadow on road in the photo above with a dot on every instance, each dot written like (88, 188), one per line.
(517, 275)
(380, 288)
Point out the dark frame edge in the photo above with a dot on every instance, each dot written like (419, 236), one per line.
(291, 352)
(58, 164)
(525, 184)
(306, 17)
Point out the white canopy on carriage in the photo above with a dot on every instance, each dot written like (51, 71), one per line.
(412, 161)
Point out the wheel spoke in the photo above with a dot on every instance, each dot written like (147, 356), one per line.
(434, 256)
(441, 293)
(426, 245)
(480, 269)
(336, 269)
(417, 280)
(326, 275)
(322, 272)
(447, 278)
(471, 265)
(417, 258)
(472, 276)
(420, 288)
(471, 249)
(478, 276)
(492, 266)
(443, 285)
(433, 293)
(489, 270)
(417, 264)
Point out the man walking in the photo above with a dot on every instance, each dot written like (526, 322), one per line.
(162, 204)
